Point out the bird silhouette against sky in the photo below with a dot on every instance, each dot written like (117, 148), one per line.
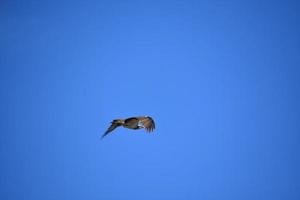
(135, 123)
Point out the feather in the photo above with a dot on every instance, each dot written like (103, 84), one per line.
(114, 124)
(148, 122)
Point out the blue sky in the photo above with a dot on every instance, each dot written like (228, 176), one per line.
(220, 78)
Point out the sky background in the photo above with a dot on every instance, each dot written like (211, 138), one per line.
(220, 78)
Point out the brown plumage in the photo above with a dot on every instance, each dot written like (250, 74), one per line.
(145, 122)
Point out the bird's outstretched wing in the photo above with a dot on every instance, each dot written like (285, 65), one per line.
(148, 123)
(114, 124)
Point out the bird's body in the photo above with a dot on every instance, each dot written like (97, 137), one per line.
(135, 123)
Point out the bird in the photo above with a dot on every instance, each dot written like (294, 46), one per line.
(135, 123)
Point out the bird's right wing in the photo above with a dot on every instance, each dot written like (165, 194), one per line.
(114, 124)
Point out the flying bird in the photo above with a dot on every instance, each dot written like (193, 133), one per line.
(145, 122)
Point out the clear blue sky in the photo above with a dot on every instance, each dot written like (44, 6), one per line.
(221, 79)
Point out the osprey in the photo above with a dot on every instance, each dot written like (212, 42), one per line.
(145, 122)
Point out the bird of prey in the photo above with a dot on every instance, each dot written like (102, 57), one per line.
(145, 122)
